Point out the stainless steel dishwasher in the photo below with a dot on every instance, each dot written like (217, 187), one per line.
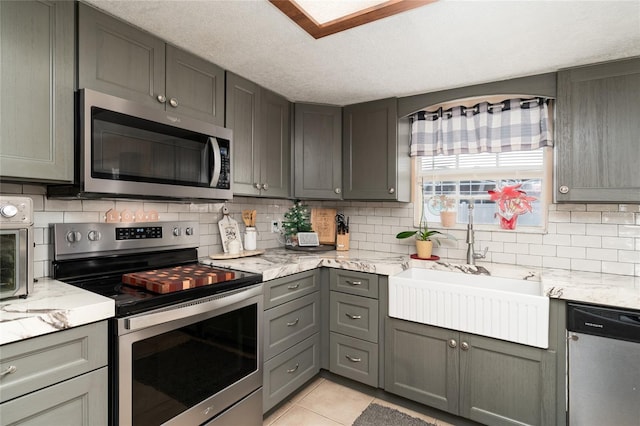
(604, 366)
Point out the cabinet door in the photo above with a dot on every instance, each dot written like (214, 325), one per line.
(76, 402)
(196, 86)
(242, 112)
(503, 383)
(370, 151)
(318, 152)
(275, 167)
(599, 133)
(37, 80)
(118, 59)
(421, 364)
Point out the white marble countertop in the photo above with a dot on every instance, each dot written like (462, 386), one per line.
(53, 306)
(602, 289)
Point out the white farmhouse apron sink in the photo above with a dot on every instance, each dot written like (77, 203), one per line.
(502, 308)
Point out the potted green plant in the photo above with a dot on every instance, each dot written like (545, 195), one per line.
(297, 219)
(424, 239)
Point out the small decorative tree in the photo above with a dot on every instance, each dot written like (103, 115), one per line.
(297, 219)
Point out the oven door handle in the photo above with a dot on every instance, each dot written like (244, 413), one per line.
(191, 308)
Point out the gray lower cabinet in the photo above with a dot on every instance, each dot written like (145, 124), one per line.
(375, 152)
(37, 79)
(261, 122)
(292, 329)
(487, 380)
(597, 132)
(354, 350)
(58, 378)
(317, 152)
(124, 61)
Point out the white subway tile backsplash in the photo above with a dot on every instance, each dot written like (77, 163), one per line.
(618, 218)
(602, 207)
(618, 268)
(572, 228)
(559, 216)
(556, 262)
(620, 243)
(627, 256)
(504, 258)
(542, 250)
(529, 260)
(634, 208)
(556, 239)
(391, 221)
(602, 254)
(374, 220)
(97, 205)
(586, 217)
(62, 205)
(571, 207)
(586, 265)
(44, 219)
(83, 217)
(572, 252)
(605, 230)
(529, 238)
(629, 230)
(516, 248)
(586, 241)
(504, 236)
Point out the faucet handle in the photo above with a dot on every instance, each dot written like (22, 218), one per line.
(483, 255)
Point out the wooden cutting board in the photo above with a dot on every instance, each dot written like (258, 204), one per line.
(168, 280)
(323, 222)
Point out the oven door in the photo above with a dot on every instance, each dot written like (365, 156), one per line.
(189, 363)
(15, 263)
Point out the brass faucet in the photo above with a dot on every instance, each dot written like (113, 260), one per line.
(471, 253)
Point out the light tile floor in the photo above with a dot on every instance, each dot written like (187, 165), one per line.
(323, 402)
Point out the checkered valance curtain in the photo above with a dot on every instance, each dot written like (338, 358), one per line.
(512, 125)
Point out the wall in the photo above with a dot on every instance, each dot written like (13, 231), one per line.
(591, 237)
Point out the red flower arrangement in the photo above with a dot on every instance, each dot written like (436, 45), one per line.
(512, 202)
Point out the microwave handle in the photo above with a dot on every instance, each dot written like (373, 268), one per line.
(215, 173)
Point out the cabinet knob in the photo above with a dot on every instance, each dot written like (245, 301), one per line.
(452, 343)
(564, 189)
(257, 185)
(337, 190)
(265, 186)
(161, 98)
(464, 346)
(392, 190)
(173, 102)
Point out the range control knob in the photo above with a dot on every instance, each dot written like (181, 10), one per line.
(74, 236)
(9, 210)
(189, 230)
(177, 232)
(94, 236)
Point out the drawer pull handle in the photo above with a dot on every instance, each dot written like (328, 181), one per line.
(352, 359)
(293, 370)
(9, 370)
(292, 323)
(354, 282)
(293, 287)
(354, 317)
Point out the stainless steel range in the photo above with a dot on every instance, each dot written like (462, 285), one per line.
(186, 343)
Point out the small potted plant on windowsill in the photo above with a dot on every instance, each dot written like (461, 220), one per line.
(424, 239)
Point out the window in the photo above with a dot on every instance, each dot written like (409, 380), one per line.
(467, 178)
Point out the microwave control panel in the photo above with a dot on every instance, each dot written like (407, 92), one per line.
(224, 181)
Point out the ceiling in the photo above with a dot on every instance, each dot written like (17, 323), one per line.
(442, 45)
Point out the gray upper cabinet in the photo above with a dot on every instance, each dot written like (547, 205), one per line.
(598, 133)
(121, 60)
(376, 165)
(37, 81)
(318, 152)
(261, 122)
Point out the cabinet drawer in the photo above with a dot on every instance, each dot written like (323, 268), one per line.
(75, 402)
(283, 290)
(354, 316)
(288, 324)
(354, 358)
(288, 371)
(358, 283)
(52, 358)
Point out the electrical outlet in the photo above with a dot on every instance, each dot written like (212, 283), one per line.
(275, 226)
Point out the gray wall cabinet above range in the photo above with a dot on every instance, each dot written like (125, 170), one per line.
(261, 122)
(598, 133)
(37, 80)
(375, 152)
(317, 152)
(121, 60)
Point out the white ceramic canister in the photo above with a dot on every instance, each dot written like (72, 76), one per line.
(250, 237)
(234, 246)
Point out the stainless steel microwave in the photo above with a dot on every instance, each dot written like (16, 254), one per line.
(125, 149)
(16, 246)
